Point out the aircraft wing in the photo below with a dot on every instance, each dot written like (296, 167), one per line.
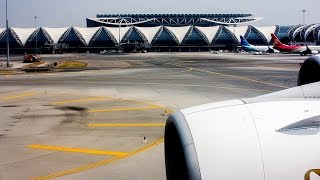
(314, 49)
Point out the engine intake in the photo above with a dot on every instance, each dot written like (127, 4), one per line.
(309, 71)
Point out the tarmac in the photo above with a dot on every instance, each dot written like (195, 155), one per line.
(107, 121)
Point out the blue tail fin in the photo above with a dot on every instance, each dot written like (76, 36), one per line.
(244, 42)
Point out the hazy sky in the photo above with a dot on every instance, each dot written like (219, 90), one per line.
(63, 13)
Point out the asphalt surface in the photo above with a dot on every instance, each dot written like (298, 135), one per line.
(107, 122)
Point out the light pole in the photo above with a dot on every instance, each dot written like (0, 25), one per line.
(119, 32)
(303, 16)
(235, 42)
(35, 26)
(7, 28)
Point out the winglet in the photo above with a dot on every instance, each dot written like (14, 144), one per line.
(275, 40)
(244, 42)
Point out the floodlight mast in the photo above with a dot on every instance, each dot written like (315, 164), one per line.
(119, 33)
(303, 16)
(7, 29)
(35, 26)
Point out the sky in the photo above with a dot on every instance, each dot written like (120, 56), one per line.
(66, 13)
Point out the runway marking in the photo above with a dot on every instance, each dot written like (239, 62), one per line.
(122, 109)
(160, 74)
(151, 105)
(76, 150)
(99, 163)
(80, 100)
(228, 75)
(18, 96)
(176, 85)
(188, 61)
(126, 125)
(189, 85)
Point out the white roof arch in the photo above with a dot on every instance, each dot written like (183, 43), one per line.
(87, 33)
(297, 31)
(266, 31)
(2, 32)
(23, 34)
(179, 32)
(238, 31)
(310, 29)
(209, 32)
(149, 32)
(55, 33)
(115, 32)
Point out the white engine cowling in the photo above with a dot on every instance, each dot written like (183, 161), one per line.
(310, 71)
(270, 137)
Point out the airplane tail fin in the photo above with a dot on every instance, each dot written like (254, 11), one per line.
(275, 40)
(244, 42)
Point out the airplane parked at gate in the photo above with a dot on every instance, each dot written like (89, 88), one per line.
(246, 46)
(302, 50)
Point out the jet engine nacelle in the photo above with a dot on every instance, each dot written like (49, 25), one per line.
(270, 137)
(309, 71)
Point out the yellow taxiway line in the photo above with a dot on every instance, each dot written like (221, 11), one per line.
(122, 109)
(126, 125)
(80, 100)
(76, 150)
(18, 96)
(228, 75)
(100, 163)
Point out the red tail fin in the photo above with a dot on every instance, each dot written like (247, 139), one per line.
(275, 40)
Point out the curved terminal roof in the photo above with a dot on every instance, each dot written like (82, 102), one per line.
(22, 34)
(175, 20)
(266, 31)
(55, 33)
(2, 32)
(238, 31)
(115, 32)
(310, 30)
(179, 32)
(86, 34)
(149, 32)
(208, 32)
(180, 35)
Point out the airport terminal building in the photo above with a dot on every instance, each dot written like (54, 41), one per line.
(154, 32)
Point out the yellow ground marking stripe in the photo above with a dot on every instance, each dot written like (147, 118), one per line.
(80, 100)
(76, 150)
(188, 61)
(150, 105)
(178, 85)
(162, 74)
(125, 125)
(188, 85)
(122, 109)
(100, 163)
(18, 96)
(229, 75)
(154, 106)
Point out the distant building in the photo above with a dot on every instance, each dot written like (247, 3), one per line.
(174, 20)
(186, 35)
